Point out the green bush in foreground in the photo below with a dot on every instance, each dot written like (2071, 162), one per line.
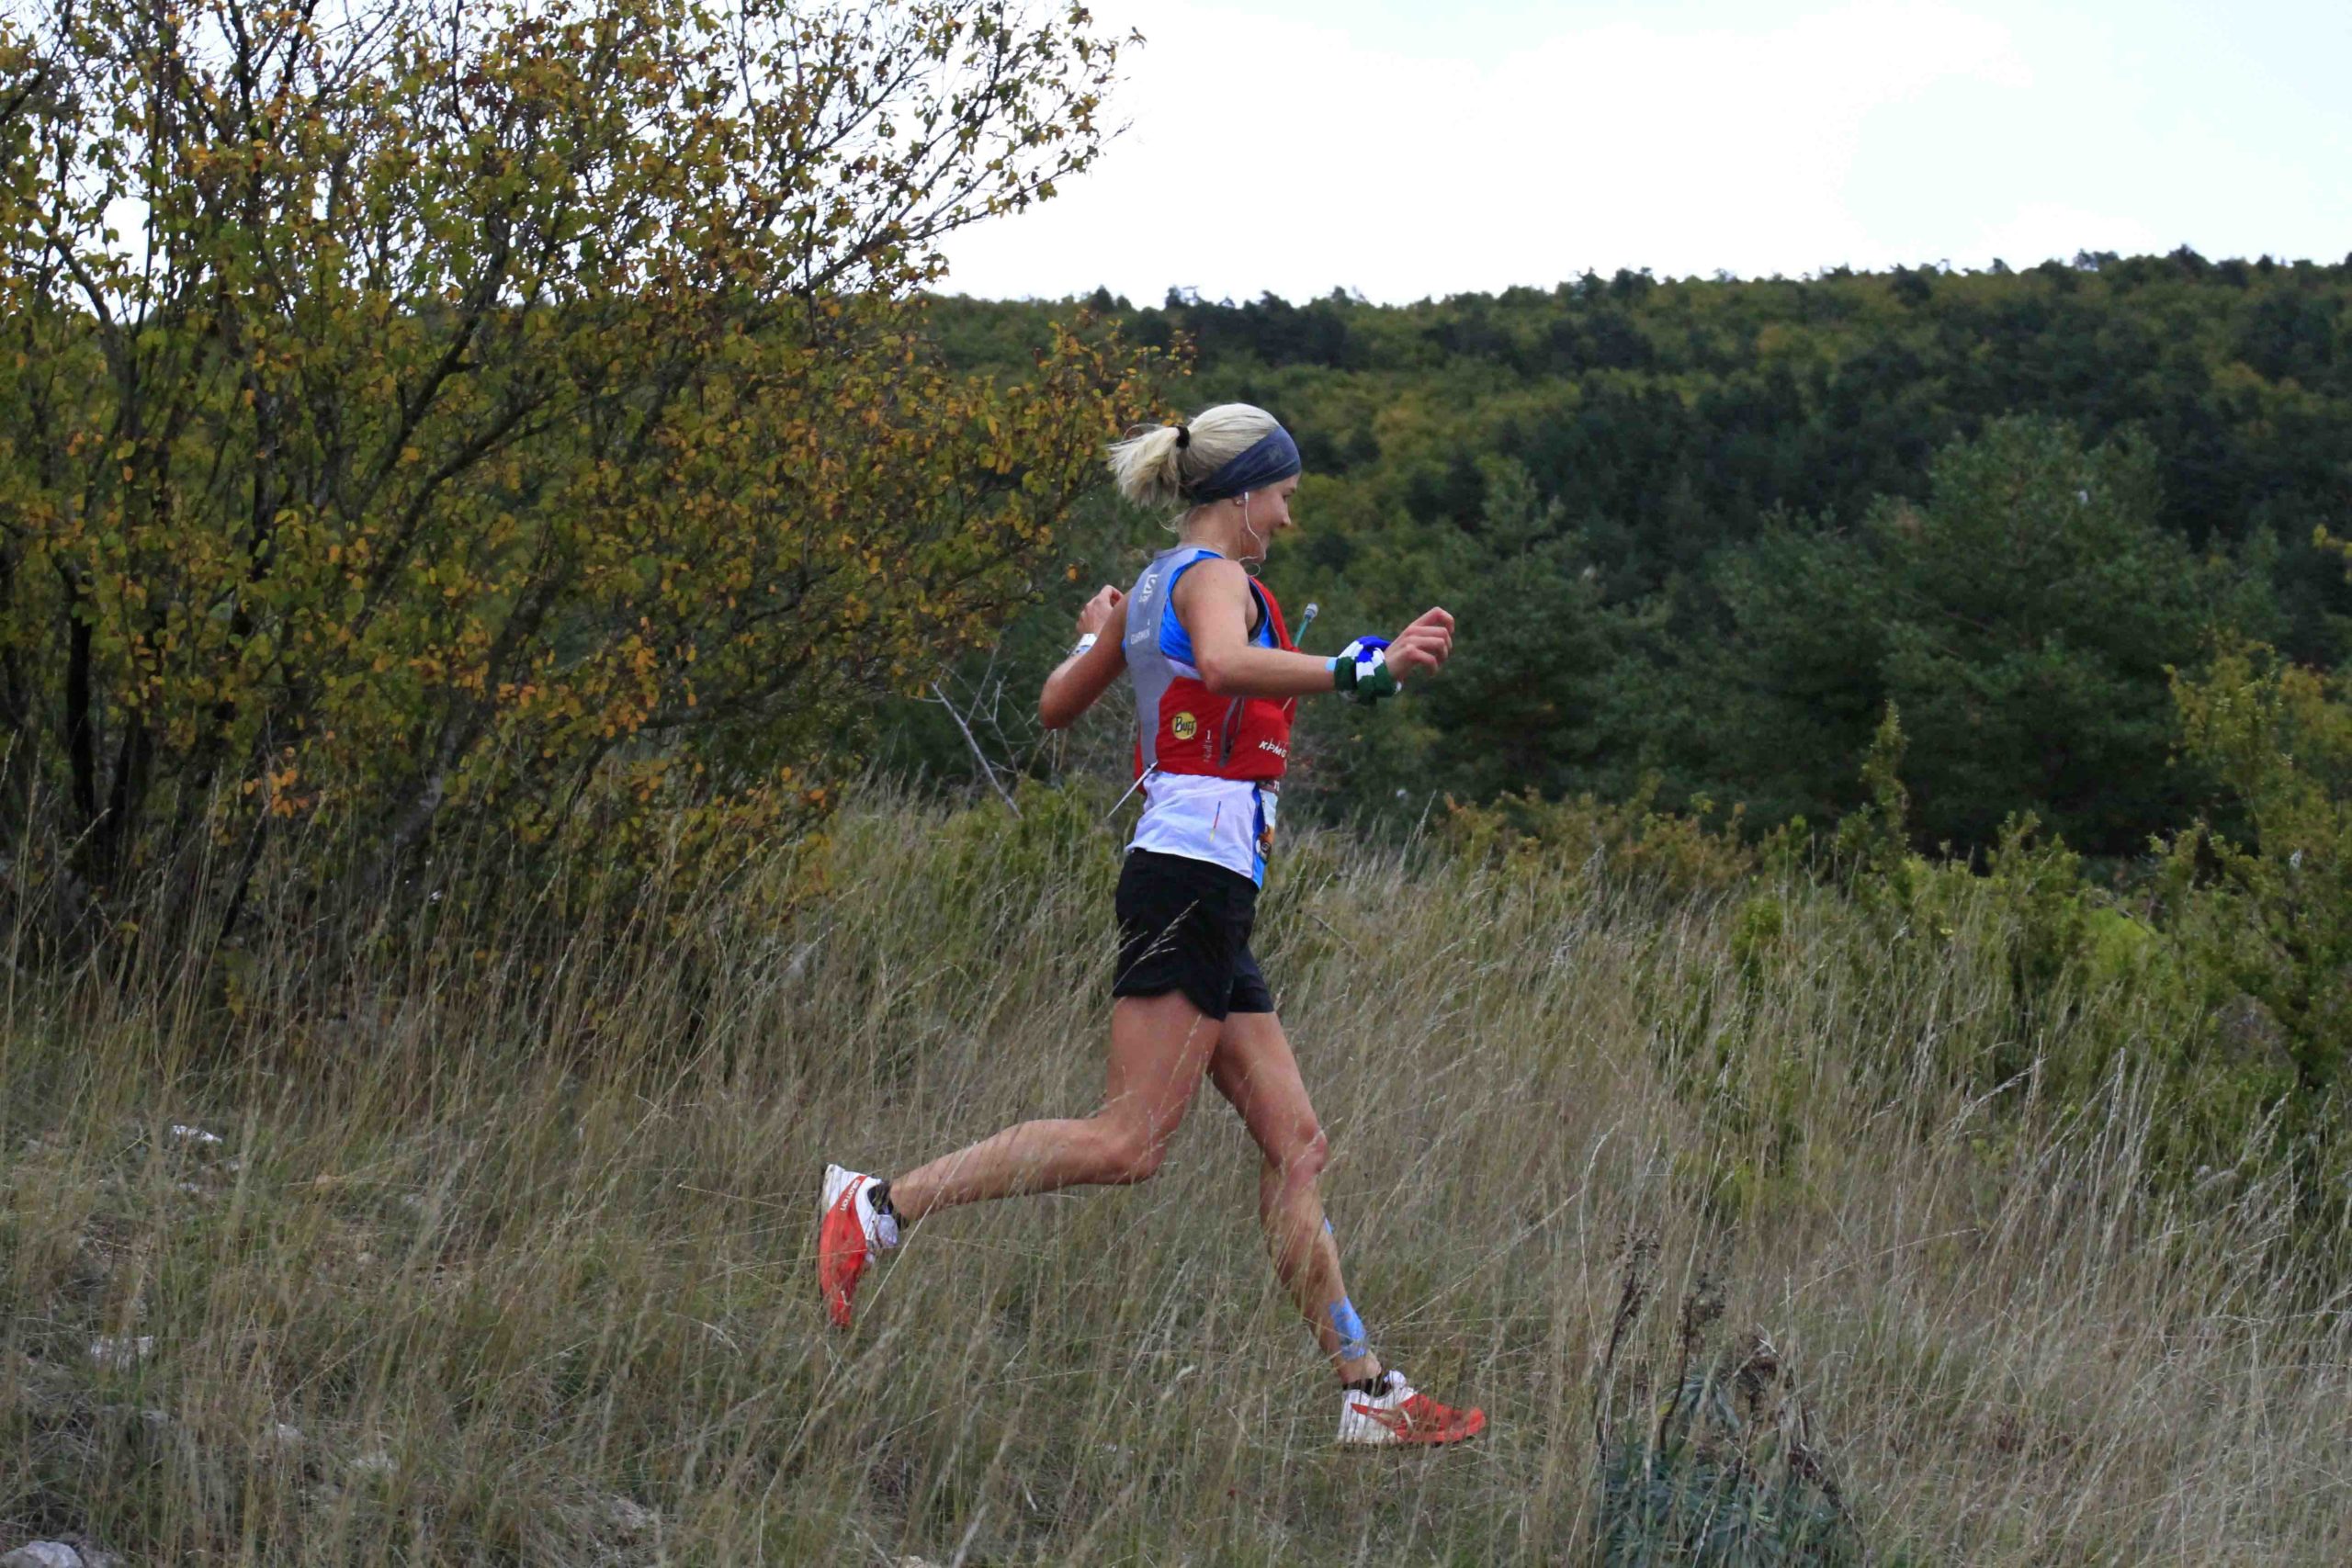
(2269, 921)
(1723, 1469)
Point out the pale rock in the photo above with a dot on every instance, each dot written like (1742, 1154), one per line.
(43, 1554)
(373, 1461)
(631, 1517)
(119, 1351)
(194, 1138)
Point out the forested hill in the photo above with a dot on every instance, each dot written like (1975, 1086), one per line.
(1706, 529)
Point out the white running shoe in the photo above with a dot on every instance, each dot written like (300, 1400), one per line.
(1402, 1414)
(850, 1231)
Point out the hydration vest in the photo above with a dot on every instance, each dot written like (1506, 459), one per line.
(1182, 726)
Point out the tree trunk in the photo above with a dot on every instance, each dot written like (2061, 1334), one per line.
(80, 738)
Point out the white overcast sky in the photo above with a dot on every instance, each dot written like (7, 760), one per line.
(1407, 149)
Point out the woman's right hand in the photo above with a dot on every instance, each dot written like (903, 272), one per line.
(1423, 646)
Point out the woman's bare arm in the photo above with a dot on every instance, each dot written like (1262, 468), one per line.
(1212, 600)
(1077, 681)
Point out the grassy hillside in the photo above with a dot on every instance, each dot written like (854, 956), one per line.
(504, 1252)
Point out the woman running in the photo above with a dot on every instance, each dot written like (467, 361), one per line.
(1216, 678)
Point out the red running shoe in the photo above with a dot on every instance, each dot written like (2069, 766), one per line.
(850, 1231)
(1403, 1415)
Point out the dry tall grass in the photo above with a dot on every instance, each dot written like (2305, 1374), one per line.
(506, 1257)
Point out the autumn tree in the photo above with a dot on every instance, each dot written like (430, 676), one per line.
(415, 409)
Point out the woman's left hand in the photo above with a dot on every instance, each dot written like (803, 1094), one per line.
(1095, 620)
(1421, 647)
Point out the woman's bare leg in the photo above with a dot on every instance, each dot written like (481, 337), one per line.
(1254, 1068)
(1159, 1046)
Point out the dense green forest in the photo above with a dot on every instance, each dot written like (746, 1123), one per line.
(1699, 533)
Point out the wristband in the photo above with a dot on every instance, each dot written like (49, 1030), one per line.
(1361, 670)
(1083, 643)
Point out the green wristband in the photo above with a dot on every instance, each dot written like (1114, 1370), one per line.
(1363, 683)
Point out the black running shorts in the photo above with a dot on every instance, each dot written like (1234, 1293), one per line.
(1184, 925)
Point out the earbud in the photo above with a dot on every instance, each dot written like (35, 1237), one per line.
(1255, 538)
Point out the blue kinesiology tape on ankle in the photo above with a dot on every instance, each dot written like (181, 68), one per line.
(1350, 1327)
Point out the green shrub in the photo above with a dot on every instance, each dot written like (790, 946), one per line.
(1724, 1471)
(2272, 919)
(2083, 984)
(2262, 929)
(1659, 851)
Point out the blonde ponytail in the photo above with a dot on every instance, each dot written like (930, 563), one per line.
(1149, 468)
(1154, 468)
